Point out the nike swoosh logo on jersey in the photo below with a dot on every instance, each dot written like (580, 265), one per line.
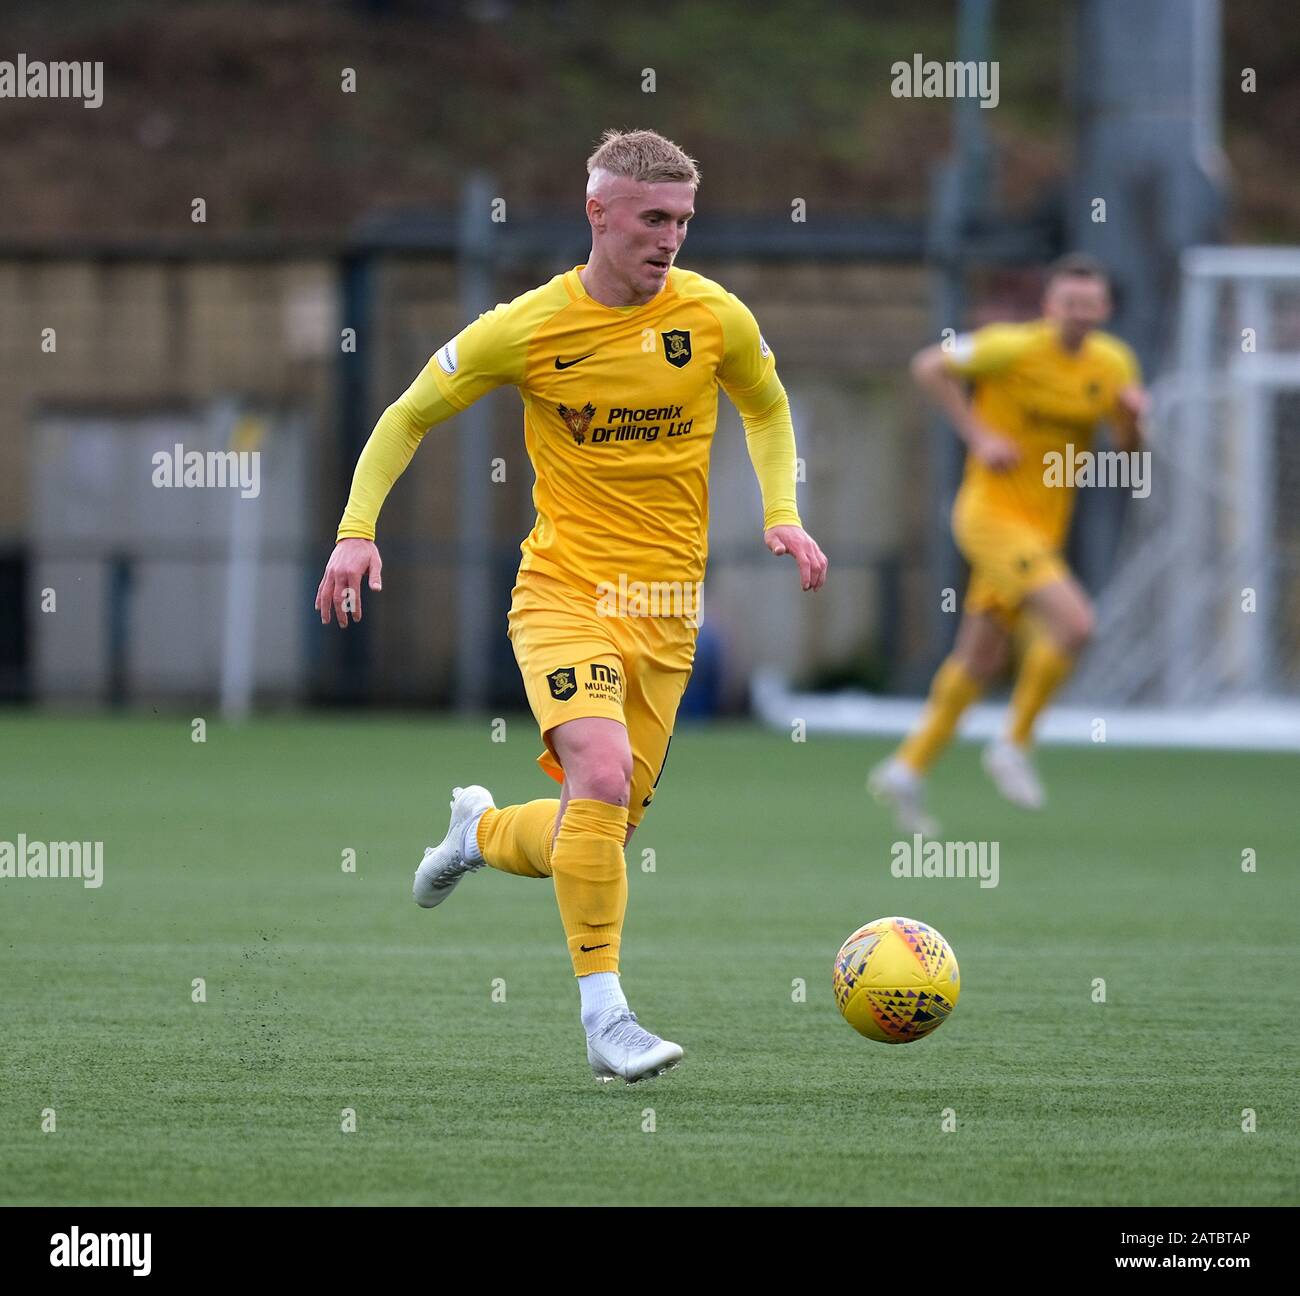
(568, 364)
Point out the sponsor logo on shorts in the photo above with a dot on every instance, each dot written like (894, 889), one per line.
(605, 682)
(563, 684)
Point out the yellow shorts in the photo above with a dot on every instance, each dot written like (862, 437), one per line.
(1010, 559)
(576, 663)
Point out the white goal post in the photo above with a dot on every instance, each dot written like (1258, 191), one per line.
(1197, 610)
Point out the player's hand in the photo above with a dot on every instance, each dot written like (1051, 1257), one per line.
(1135, 406)
(340, 587)
(796, 542)
(1135, 400)
(996, 452)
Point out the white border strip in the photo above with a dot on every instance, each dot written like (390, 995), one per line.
(1272, 725)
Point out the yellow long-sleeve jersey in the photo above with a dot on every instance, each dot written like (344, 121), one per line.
(620, 407)
(1030, 389)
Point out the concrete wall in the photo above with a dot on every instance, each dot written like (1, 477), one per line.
(141, 335)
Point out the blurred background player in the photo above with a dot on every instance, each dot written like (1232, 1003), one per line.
(618, 362)
(1034, 388)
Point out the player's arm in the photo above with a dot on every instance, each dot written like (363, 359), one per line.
(940, 375)
(1128, 415)
(748, 376)
(769, 438)
(479, 358)
(391, 446)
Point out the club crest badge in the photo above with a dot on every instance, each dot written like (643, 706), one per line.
(677, 347)
(563, 684)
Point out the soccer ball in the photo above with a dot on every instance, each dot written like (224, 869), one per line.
(896, 980)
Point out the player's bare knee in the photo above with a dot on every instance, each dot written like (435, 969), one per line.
(995, 662)
(985, 663)
(609, 780)
(1078, 631)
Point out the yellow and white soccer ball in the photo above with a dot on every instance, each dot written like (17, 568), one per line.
(896, 980)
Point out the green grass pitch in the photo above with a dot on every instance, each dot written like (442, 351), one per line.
(329, 990)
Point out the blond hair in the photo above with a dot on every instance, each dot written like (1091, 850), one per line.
(643, 155)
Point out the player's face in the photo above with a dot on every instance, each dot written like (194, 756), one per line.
(645, 227)
(1077, 305)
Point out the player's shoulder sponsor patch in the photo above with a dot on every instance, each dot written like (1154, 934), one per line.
(446, 356)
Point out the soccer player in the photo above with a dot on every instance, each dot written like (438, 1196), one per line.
(1035, 388)
(618, 362)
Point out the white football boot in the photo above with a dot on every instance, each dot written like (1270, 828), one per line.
(1009, 766)
(620, 1049)
(902, 790)
(445, 864)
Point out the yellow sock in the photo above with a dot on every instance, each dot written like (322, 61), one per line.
(591, 883)
(517, 838)
(952, 691)
(1043, 671)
